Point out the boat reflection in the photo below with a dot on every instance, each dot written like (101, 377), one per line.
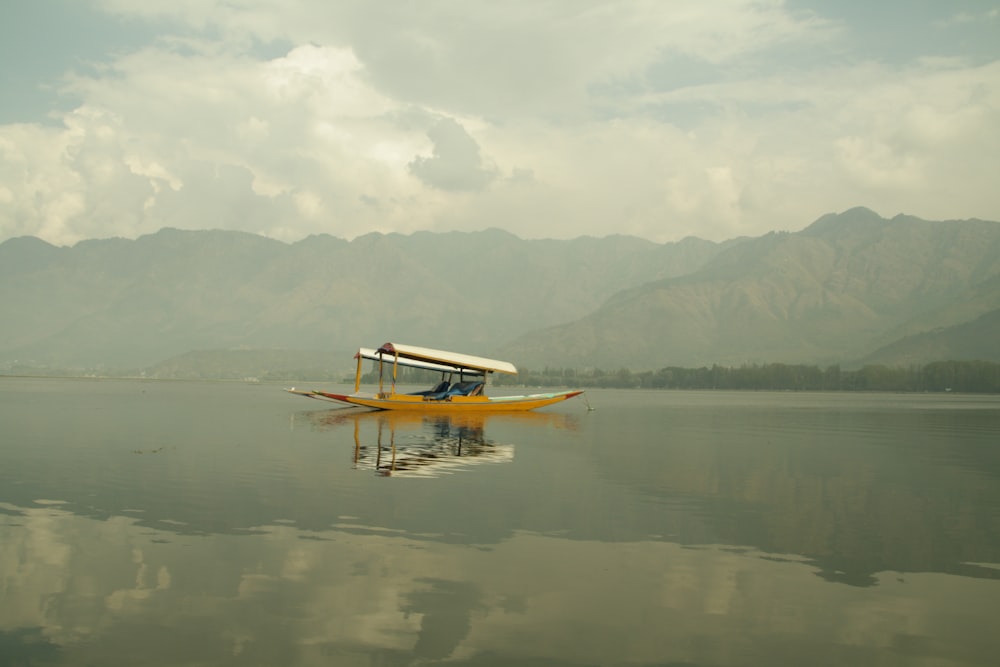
(408, 444)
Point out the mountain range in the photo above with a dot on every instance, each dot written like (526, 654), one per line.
(850, 288)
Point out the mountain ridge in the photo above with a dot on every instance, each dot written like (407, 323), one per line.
(119, 302)
(830, 293)
(837, 291)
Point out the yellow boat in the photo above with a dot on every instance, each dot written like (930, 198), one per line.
(462, 385)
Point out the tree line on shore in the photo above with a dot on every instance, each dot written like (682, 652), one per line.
(938, 376)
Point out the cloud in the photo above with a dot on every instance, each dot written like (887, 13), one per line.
(201, 139)
(456, 163)
(510, 60)
(715, 118)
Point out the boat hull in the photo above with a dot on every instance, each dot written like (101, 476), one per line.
(408, 402)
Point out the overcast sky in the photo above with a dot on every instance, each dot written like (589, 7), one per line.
(657, 118)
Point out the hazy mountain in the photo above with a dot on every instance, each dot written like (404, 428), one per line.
(832, 293)
(975, 340)
(835, 292)
(120, 303)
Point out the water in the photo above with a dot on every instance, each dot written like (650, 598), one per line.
(214, 523)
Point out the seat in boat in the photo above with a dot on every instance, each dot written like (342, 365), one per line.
(471, 388)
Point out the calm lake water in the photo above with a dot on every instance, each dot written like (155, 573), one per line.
(163, 523)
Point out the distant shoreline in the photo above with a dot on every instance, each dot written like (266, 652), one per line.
(950, 376)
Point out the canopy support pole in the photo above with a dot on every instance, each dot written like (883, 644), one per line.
(380, 374)
(357, 375)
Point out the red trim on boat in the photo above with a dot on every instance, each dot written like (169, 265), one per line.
(336, 397)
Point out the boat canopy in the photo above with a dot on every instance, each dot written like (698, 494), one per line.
(369, 353)
(444, 360)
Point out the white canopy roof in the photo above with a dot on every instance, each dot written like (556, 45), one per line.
(440, 359)
(369, 353)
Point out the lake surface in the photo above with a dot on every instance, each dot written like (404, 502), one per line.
(170, 523)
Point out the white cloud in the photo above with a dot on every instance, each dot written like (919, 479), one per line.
(710, 118)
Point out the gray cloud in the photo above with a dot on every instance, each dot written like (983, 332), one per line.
(456, 163)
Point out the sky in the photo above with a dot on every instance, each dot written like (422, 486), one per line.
(547, 118)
